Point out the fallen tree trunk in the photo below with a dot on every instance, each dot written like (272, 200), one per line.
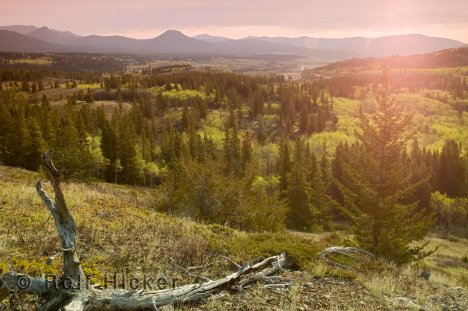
(115, 299)
(79, 296)
(347, 252)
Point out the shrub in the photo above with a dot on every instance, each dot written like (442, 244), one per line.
(449, 211)
(202, 192)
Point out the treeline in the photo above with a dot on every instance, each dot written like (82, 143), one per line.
(24, 73)
(444, 171)
(31, 124)
(343, 85)
(66, 62)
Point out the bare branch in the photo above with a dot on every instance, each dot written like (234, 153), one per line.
(345, 251)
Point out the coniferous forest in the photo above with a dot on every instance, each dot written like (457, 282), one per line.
(251, 152)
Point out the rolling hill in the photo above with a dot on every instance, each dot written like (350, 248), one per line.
(11, 41)
(21, 38)
(456, 57)
(53, 36)
(22, 29)
(364, 47)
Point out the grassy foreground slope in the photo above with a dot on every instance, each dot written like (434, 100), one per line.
(119, 231)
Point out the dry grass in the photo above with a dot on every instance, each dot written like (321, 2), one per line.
(447, 285)
(406, 282)
(119, 230)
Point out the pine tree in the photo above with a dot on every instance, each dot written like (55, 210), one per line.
(232, 147)
(246, 151)
(34, 147)
(71, 151)
(421, 176)
(132, 171)
(299, 193)
(450, 172)
(376, 182)
(109, 147)
(284, 165)
(337, 173)
(185, 118)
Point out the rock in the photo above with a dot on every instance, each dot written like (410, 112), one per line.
(406, 303)
(425, 274)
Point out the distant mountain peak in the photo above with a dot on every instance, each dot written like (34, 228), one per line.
(22, 29)
(172, 34)
(47, 34)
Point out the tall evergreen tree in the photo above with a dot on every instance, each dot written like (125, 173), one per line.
(450, 171)
(71, 151)
(299, 193)
(376, 182)
(284, 165)
(246, 151)
(34, 147)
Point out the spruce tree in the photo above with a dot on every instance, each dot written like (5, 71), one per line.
(420, 173)
(450, 171)
(246, 151)
(71, 151)
(284, 165)
(299, 193)
(34, 147)
(337, 173)
(376, 182)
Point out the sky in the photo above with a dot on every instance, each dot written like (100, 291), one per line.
(241, 18)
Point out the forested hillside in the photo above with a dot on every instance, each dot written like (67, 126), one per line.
(224, 147)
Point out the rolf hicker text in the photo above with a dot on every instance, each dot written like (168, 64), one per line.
(115, 281)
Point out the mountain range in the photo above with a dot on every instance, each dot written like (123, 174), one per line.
(26, 38)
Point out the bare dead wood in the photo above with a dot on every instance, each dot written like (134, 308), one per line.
(115, 299)
(82, 297)
(13, 282)
(64, 222)
(344, 251)
(187, 271)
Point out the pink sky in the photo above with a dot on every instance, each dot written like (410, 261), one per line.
(241, 18)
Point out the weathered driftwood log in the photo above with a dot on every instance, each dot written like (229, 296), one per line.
(78, 296)
(344, 251)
